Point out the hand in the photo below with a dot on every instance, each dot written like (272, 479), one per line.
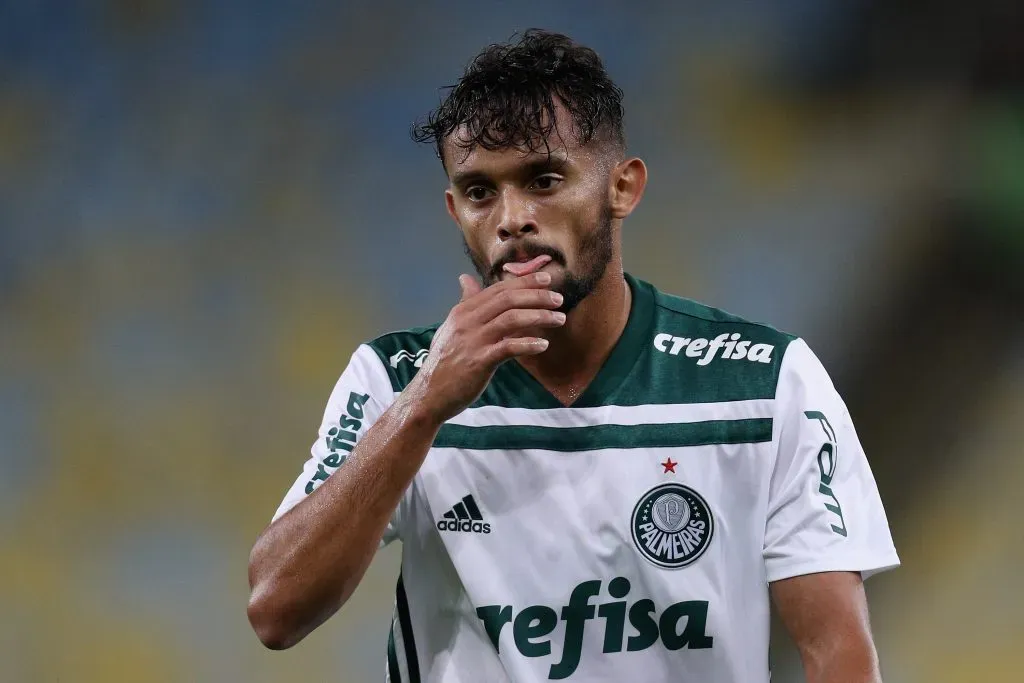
(486, 328)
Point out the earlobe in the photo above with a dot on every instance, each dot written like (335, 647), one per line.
(629, 179)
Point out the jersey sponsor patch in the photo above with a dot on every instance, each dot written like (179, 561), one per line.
(828, 460)
(341, 440)
(535, 627)
(725, 346)
(464, 516)
(672, 525)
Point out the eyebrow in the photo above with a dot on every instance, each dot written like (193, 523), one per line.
(546, 164)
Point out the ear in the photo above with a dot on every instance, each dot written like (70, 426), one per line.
(626, 186)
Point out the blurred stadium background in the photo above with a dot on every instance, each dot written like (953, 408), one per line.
(205, 205)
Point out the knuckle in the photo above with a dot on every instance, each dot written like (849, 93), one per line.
(459, 321)
(541, 298)
(534, 299)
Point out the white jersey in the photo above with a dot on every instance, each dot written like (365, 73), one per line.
(631, 535)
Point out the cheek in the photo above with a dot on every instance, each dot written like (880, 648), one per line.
(481, 242)
(470, 223)
(583, 199)
(475, 239)
(472, 219)
(584, 221)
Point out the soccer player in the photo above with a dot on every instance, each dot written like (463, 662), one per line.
(591, 479)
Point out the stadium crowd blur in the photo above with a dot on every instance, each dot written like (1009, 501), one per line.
(205, 206)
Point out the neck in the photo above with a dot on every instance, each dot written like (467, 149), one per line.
(579, 348)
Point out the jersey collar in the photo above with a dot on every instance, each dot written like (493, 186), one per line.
(615, 369)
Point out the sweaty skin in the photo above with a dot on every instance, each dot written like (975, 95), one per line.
(568, 204)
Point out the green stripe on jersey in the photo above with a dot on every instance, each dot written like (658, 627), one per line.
(599, 437)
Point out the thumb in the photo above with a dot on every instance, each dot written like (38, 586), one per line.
(469, 286)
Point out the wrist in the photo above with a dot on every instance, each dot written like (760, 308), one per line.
(418, 408)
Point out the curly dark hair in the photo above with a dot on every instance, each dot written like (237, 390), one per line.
(506, 97)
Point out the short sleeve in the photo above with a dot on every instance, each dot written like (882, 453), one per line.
(824, 511)
(360, 397)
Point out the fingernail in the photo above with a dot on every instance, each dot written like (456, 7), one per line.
(556, 298)
(559, 316)
(543, 278)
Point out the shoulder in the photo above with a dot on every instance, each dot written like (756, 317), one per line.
(693, 316)
(402, 352)
(710, 355)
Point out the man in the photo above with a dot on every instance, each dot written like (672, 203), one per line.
(592, 480)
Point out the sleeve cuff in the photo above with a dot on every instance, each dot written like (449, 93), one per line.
(867, 566)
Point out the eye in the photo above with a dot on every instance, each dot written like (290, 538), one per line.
(477, 193)
(548, 181)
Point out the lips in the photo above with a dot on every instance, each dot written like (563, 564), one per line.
(519, 269)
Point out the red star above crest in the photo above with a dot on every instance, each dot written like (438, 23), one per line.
(669, 466)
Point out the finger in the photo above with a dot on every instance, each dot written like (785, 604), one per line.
(520, 319)
(469, 286)
(534, 280)
(493, 299)
(513, 347)
(511, 299)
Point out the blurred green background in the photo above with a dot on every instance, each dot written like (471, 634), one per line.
(205, 205)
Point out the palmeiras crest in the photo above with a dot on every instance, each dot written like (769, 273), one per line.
(672, 525)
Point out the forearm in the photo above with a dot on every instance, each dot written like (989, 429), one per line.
(308, 563)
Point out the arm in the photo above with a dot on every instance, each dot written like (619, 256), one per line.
(826, 614)
(826, 528)
(307, 563)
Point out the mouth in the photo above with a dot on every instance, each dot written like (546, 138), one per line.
(525, 266)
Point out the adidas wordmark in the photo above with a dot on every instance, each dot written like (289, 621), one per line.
(464, 516)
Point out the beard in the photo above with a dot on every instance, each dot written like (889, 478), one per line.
(593, 254)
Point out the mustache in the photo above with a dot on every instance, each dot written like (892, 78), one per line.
(530, 251)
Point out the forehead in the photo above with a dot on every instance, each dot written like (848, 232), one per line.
(462, 156)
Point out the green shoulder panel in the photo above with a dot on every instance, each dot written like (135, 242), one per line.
(676, 351)
(678, 307)
(403, 352)
(699, 354)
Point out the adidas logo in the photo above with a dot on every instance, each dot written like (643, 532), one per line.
(464, 516)
(415, 358)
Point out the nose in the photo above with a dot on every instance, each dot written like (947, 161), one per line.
(515, 218)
